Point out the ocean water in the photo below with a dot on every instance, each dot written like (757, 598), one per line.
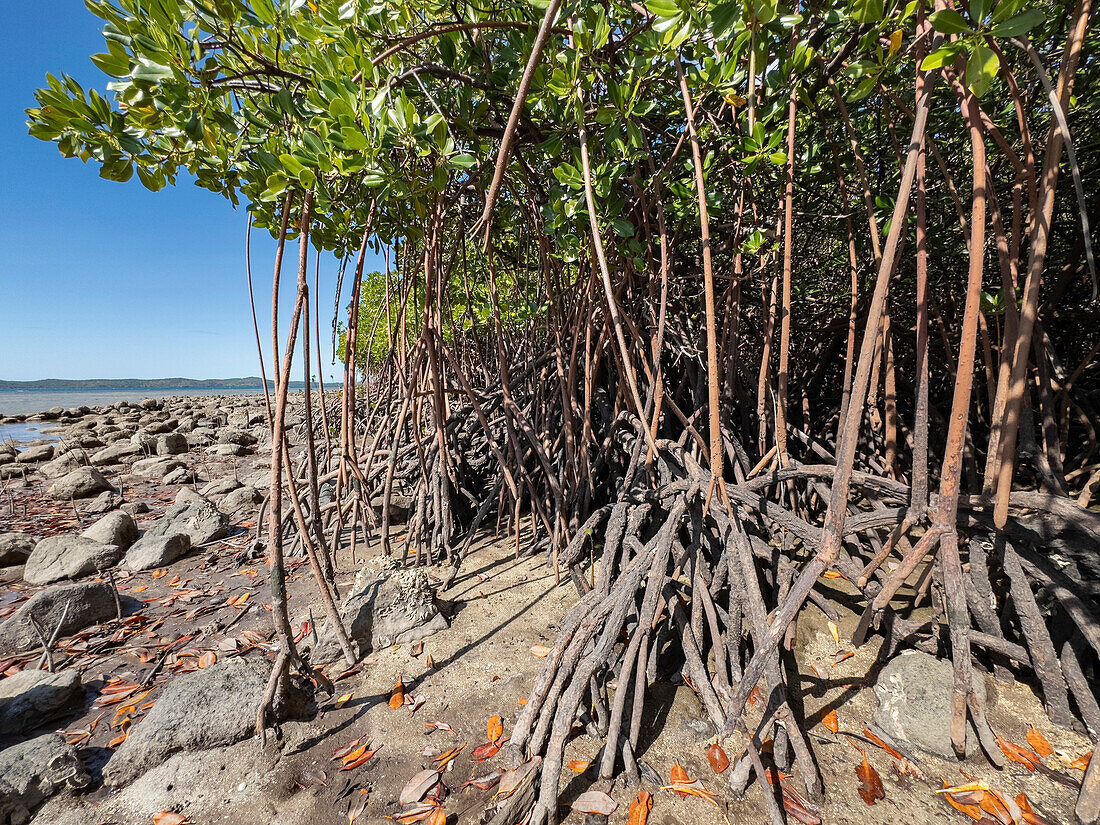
(25, 402)
(26, 432)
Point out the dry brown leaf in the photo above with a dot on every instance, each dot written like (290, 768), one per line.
(831, 721)
(486, 750)
(1038, 742)
(966, 805)
(495, 728)
(169, 818)
(419, 785)
(446, 758)
(429, 662)
(640, 808)
(1081, 763)
(1018, 753)
(870, 735)
(511, 780)
(542, 651)
(834, 631)
(1028, 813)
(343, 700)
(578, 765)
(717, 758)
(207, 659)
(397, 697)
(679, 776)
(438, 816)
(357, 805)
(341, 752)
(870, 788)
(484, 782)
(595, 802)
(417, 648)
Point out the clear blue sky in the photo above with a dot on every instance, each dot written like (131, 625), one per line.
(108, 280)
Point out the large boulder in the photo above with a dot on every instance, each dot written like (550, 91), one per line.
(64, 464)
(103, 503)
(242, 498)
(33, 697)
(33, 771)
(88, 603)
(83, 482)
(220, 487)
(194, 516)
(115, 528)
(172, 444)
(15, 547)
(39, 452)
(386, 606)
(68, 557)
(200, 710)
(152, 551)
(120, 451)
(914, 696)
(157, 467)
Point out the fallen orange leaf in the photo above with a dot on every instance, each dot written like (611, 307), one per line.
(717, 758)
(542, 651)
(1081, 763)
(870, 788)
(578, 765)
(397, 697)
(495, 729)
(169, 818)
(831, 721)
(640, 808)
(1018, 753)
(1038, 742)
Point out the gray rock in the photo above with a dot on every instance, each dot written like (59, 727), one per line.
(33, 697)
(84, 482)
(401, 507)
(68, 557)
(201, 522)
(172, 444)
(33, 771)
(200, 710)
(15, 547)
(239, 499)
(182, 475)
(88, 603)
(31, 455)
(119, 451)
(135, 508)
(103, 503)
(386, 606)
(64, 464)
(157, 467)
(186, 496)
(221, 486)
(914, 695)
(224, 450)
(156, 551)
(235, 435)
(115, 528)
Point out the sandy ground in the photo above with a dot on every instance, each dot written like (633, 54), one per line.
(498, 608)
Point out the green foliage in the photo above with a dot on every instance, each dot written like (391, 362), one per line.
(389, 110)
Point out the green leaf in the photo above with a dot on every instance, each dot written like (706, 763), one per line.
(292, 164)
(356, 141)
(662, 8)
(1020, 24)
(867, 11)
(941, 57)
(948, 21)
(981, 69)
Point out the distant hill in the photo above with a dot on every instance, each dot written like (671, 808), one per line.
(252, 382)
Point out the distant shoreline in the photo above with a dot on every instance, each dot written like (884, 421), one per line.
(63, 385)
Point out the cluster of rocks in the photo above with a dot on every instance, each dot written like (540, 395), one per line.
(103, 456)
(105, 460)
